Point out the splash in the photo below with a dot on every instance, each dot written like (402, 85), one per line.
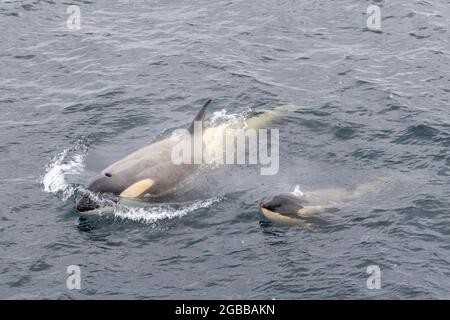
(214, 138)
(150, 215)
(233, 120)
(69, 162)
(297, 192)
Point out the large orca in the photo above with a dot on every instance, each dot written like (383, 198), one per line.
(147, 171)
(151, 172)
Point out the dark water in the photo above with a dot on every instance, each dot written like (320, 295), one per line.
(374, 104)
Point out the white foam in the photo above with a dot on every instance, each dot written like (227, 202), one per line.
(68, 162)
(234, 120)
(153, 214)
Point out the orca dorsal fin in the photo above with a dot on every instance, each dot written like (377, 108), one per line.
(200, 116)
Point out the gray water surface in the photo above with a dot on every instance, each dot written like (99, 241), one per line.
(373, 104)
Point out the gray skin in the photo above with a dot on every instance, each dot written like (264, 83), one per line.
(151, 162)
(288, 209)
(283, 203)
(292, 209)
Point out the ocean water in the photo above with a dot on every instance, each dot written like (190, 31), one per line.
(373, 104)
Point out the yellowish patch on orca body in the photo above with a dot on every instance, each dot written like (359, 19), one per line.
(216, 142)
(138, 189)
(309, 211)
(270, 116)
(281, 219)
